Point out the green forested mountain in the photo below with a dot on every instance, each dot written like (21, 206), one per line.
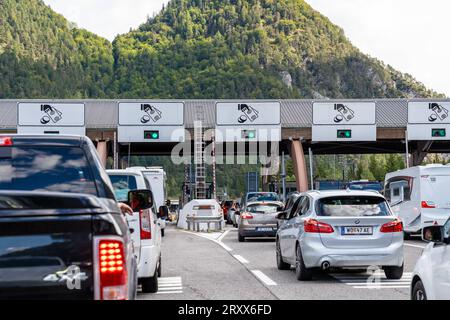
(192, 49)
(43, 55)
(249, 49)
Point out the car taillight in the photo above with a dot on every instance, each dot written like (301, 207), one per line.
(246, 215)
(112, 270)
(393, 226)
(6, 141)
(314, 226)
(146, 231)
(428, 205)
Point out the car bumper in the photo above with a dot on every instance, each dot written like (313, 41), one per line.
(252, 231)
(315, 254)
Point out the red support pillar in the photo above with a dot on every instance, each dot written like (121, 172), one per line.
(299, 162)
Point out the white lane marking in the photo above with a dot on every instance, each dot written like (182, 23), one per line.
(265, 279)
(414, 245)
(241, 259)
(223, 245)
(375, 281)
(169, 292)
(170, 285)
(223, 235)
(170, 289)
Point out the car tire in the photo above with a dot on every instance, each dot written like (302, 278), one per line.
(241, 238)
(418, 291)
(281, 265)
(150, 285)
(393, 273)
(160, 268)
(302, 273)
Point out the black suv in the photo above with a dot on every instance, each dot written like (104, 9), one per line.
(62, 234)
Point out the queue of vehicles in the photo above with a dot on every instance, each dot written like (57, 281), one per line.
(359, 228)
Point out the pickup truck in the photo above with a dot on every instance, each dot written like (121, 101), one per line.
(62, 234)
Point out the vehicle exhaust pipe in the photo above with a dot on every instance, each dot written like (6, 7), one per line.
(325, 265)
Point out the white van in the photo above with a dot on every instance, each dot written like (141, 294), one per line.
(156, 176)
(146, 226)
(420, 196)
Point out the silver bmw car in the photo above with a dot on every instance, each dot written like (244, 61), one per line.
(340, 229)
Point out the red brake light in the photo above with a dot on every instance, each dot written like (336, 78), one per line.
(6, 141)
(393, 226)
(428, 205)
(112, 270)
(146, 231)
(314, 226)
(246, 215)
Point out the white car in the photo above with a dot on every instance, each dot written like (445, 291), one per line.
(145, 225)
(431, 276)
(157, 178)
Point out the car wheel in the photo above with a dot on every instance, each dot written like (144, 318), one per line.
(418, 292)
(150, 285)
(393, 272)
(241, 238)
(301, 272)
(281, 265)
(160, 267)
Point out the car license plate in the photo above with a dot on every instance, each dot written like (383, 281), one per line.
(357, 231)
(264, 229)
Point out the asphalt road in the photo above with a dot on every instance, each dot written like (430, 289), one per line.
(198, 268)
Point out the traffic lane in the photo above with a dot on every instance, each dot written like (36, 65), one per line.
(260, 255)
(204, 271)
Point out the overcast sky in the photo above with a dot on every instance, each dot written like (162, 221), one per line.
(411, 35)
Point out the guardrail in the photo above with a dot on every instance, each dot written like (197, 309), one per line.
(196, 221)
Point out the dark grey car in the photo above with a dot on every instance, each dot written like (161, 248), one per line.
(259, 219)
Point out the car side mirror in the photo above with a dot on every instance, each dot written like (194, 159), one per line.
(140, 199)
(281, 215)
(433, 234)
(163, 212)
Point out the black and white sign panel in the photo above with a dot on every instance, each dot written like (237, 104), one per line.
(51, 114)
(344, 121)
(248, 113)
(344, 113)
(151, 114)
(428, 120)
(428, 112)
(51, 118)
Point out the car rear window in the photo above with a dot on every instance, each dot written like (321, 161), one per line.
(262, 197)
(122, 185)
(352, 206)
(264, 208)
(57, 169)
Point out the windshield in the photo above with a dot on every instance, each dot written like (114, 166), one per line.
(253, 197)
(57, 169)
(264, 208)
(122, 185)
(352, 206)
(366, 186)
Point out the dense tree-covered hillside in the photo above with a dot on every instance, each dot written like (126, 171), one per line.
(249, 49)
(43, 55)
